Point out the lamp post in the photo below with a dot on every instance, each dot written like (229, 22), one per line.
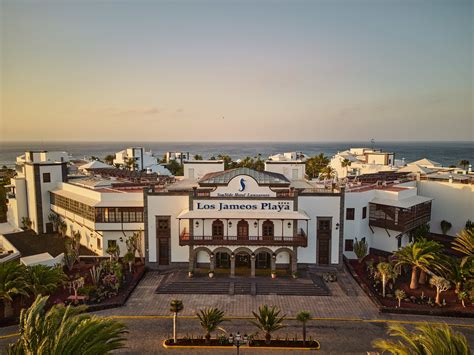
(238, 341)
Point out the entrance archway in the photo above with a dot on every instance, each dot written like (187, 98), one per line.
(222, 257)
(263, 262)
(242, 261)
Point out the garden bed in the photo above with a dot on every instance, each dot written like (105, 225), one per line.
(419, 301)
(255, 344)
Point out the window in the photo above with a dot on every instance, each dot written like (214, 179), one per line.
(364, 212)
(111, 243)
(349, 245)
(46, 177)
(217, 228)
(350, 214)
(99, 244)
(268, 229)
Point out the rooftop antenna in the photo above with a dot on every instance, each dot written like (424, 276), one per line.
(372, 141)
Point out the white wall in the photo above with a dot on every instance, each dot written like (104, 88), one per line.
(452, 202)
(288, 169)
(201, 168)
(171, 205)
(319, 206)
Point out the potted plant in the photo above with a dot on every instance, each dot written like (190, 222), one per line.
(211, 274)
(295, 275)
(274, 274)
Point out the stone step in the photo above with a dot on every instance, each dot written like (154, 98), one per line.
(216, 288)
(242, 288)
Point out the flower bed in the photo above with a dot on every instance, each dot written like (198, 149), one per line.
(418, 301)
(255, 344)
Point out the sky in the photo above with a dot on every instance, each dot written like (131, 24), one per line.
(340, 70)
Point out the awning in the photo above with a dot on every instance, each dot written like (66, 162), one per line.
(295, 215)
(403, 203)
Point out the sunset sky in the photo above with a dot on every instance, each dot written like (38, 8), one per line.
(236, 70)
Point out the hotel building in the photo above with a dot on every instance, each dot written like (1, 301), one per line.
(229, 219)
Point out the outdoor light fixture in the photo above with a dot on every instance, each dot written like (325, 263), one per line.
(274, 256)
(289, 224)
(255, 224)
(230, 224)
(337, 226)
(197, 224)
(238, 340)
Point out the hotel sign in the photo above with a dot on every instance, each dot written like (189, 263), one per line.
(243, 186)
(277, 206)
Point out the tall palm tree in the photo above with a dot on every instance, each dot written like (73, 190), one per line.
(464, 243)
(176, 306)
(303, 317)
(210, 319)
(346, 163)
(385, 271)
(428, 339)
(66, 330)
(12, 283)
(44, 280)
(327, 173)
(268, 320)
(416, 255)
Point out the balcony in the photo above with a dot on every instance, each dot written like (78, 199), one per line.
(298, 240)
(399, 219)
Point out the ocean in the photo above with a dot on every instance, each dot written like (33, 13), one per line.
(446, 153)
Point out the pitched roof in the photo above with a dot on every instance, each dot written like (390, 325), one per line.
(262, 177)
(95, 164)
(425, 163)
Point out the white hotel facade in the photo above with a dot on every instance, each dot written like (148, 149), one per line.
(230, 219)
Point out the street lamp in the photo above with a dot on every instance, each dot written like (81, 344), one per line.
(238, 340)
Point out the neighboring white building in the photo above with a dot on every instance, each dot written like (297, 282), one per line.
(179, 156)
(291, 169)
(38, 172)
(362, 161)
(196, 169)
(141, 158)
(289, 156)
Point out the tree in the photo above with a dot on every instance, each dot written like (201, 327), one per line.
(464, 163)
(427, 339)
(54, 219)
(463, 296)
(420, 232)
(44, 280)
(109, 159)
(469, 225)
(26, 223)
(327, 173)
(175, 168)
(268, 320)
(130, 164)
(65, 330)
(176, 306)
(303, 317)
(441, 285)
(464, 243)
(445, 226)
(114, 252)
(198, 157)
(360, 249)
(400, 295)
(210, 319)
(129, 258)
(385, 271)
(12, 283)
(62, 228)
(346, 163)
(418, 256)
(315, 164)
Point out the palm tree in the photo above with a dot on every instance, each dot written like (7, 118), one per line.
(54, 219)
(436, 248)
(303, 317)
(429, 339)
(400, 295)
(12, 283)
(109, 159)
(44, 280)
(268, 320)
(315, 164)
(62, 228)
(210, 319)
(385, 271)
(464, 243)
(176, 306)
(129, 258)
(66, 330)
(345, 163)
(464, 163)
(416, 255)
(327, 173)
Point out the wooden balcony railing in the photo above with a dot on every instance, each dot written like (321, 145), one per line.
(299, 239)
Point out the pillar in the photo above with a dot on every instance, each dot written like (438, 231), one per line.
(191, 259)
(294, 260)
(211, 262)
(232, 265)
(273, 263)
(252, 265)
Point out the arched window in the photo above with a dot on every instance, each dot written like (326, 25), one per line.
(217, 228)
(268, 229)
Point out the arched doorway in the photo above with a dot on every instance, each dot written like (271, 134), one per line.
(222, 258)
(242, 261)
(263, 262)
